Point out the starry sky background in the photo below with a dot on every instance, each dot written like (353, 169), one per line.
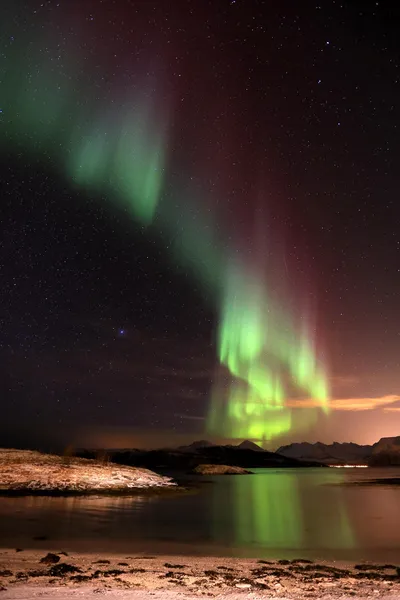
(103, 340)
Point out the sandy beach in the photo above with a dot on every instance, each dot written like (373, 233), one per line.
(34, 574)
(26, 593)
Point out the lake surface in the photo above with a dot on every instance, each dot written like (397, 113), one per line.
(279, 513)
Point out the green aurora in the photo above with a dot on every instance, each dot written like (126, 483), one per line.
(122, 151)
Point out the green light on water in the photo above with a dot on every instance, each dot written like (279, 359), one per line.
(274, 510)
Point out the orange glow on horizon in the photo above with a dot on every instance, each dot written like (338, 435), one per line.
(350, 404)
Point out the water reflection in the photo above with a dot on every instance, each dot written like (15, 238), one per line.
(66, 518)
(276, 513)
(282, 510)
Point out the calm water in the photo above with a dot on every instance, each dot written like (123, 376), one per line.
(274, 513)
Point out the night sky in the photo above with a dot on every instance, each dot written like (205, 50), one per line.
(282, 114)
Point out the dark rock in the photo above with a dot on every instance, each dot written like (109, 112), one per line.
(102, 562)
(50, 559)
(97, 574)
(260, 572)
(21, 575)
(261, 586)
(81, 578)
(244, 580)
(137, 570)
(364, 567)
(63, 569)
(173, 578)
(109, 573)
(169, 566)
(211, 574)
(201, 582)
(6, 573)
(304, 561)
(370, 575)
(18, 550)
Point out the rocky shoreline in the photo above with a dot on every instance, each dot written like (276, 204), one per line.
(299, 578)
(26, 472)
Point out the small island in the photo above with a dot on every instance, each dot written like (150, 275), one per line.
(220, 470)
(26, 472)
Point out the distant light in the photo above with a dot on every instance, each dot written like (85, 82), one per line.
(350, 466)
(122, 332)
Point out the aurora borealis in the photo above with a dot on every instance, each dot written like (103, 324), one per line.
(121, 152)
(256, 342)
(198, 176)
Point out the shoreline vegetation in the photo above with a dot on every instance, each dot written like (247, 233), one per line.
(211, 576)
(220, 470)
(26, 472)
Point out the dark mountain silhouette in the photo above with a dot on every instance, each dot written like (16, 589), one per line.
(332, 454)
(385, 453)
(247, 454)
(248, 445)
(195, 446)
(187, 458)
